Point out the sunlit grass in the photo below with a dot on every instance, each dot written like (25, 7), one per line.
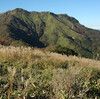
(27, 72)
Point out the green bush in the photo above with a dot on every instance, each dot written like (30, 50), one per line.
(64, 50)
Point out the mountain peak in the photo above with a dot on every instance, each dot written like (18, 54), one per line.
(22, 27)
(14, 11)
(19, 10)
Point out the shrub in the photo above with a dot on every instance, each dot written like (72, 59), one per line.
(64, 50)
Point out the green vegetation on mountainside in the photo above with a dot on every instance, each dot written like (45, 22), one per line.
(40, 29)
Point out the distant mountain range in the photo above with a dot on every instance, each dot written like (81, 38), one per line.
(98, 29)
(40, 29)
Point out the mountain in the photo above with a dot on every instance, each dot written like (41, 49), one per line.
(40, 29)
(98, 29)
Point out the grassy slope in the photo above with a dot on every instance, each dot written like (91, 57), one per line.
(33, 73)
(46, 28)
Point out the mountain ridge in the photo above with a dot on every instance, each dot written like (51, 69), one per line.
(40, 29)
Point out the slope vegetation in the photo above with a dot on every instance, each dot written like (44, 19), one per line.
(40, 29)
(27, 73)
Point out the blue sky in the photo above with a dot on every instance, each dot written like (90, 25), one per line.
(86, 11)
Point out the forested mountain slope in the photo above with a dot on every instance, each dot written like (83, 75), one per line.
(40, 29)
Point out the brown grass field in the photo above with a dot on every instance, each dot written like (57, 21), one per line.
(32, 73)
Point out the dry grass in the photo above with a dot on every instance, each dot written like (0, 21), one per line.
(29, 54)
(39, 73)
